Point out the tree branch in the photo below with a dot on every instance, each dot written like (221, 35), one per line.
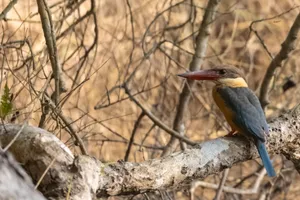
(50, 38)
(14, 182)
(131, 140)
(7, 9)
(221, 185)
(201, 45)
(36, 149)
(286, 47)
(155, 120)
(253, 190)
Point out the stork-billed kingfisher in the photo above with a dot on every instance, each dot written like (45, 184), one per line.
(239, 105)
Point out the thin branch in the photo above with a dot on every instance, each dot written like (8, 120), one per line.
(222, 184)
(132, 35)
(157, 121)
(52, 48)
(15, 137)
(286, 47)
(7, 9)
(45, 172)
(68, 123)
(267, 19)
(135, 127)
(227, 189)
(201, 46)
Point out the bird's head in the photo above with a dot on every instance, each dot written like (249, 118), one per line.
(221, 75)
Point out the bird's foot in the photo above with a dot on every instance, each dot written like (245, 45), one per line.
(231, 133)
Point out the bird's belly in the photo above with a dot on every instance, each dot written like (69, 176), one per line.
(227, 112)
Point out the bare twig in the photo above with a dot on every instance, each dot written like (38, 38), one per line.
(282, 183)
(52, 48)
(201, 46)
(44, 105)
(7, 9)
(147, 53)
(25, 123)
(286, 47)
(43, 175)
(252, 190)
(135, 127)
(267, 19)
(157, 121)
(68, 124)
(15, 137)
(132, 35)
(222, 184)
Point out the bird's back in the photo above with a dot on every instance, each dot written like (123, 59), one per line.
(242, 110)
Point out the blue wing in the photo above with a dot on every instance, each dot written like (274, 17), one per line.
(248, 114)
(255, 102)
(249, 118)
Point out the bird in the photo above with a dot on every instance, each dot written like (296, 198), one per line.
(239, 105)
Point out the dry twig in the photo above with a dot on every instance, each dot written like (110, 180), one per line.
(201, 46)
(227, 189)
(286, 47)
(50, 38)
(7, 9)
(157, 121)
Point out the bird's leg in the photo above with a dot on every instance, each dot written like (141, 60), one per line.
(231, 133)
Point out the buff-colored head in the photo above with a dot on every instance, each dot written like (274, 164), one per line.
(222, 75)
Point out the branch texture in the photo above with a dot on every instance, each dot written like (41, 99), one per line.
(15, 183)
(87, 178)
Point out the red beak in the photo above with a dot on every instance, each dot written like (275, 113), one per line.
(201, 75)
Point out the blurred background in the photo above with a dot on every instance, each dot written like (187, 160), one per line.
(103, 44)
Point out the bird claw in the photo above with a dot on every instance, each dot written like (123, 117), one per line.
(231, 133)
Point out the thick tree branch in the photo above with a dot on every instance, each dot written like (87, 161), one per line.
(286, 47)
(36, 149)
(201, 45)
(14, 182)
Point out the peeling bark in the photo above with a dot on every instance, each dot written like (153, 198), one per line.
(87, 178)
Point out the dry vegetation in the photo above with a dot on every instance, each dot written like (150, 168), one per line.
(145, 43)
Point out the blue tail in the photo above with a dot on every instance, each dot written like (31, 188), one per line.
(265, 158)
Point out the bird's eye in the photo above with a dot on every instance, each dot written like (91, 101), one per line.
(222, 71)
